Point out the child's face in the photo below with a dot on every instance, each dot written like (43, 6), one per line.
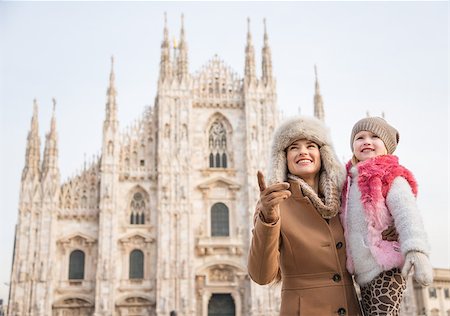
(367, 145)
(303, 158)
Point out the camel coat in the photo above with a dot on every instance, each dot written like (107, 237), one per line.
(311, 255)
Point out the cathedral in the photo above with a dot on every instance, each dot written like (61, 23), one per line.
(160, 223)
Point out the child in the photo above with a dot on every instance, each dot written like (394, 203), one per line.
(379, 192)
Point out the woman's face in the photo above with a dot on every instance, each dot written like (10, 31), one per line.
(303, 159)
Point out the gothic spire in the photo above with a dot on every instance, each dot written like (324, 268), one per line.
(32, 156)
(318, 101)
(174, 57)
(164, 64)
(111, 106)
(250, 71)
(50, 163)
(182, 28)
(182, 67)
(266, 58)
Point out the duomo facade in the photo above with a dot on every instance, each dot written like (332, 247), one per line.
(161, 223)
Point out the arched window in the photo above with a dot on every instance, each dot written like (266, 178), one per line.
(84, 200)
(217, 145)
(211, 160)
(76, 265)
(224, 160)
(432, 292)
(218, 162)
(136, 264)
(137, 209)
(220, 223)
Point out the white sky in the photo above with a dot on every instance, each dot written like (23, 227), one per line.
(371, 56)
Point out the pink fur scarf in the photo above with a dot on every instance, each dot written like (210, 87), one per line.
(374, 181)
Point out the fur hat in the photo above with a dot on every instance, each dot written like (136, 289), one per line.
(377, 125)
(303, 127)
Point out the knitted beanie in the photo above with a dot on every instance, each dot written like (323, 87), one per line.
(377, 125)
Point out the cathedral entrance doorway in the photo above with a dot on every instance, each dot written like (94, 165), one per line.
(221, 304)
(220, 290)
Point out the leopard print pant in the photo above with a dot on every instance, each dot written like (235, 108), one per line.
(383, 295)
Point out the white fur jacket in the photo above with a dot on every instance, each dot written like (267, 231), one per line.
(379, 192)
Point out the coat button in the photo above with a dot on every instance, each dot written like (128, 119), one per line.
(341, 311)
(339, 245)
(336, 277)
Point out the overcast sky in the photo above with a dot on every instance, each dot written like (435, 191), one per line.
(389, 57)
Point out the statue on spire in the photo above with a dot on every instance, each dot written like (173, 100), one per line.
(319, 111)
(111, 106)
(182, 62)
(32, 156)
(50, 160)
(165, 71)
(266, 58)
(250, 71)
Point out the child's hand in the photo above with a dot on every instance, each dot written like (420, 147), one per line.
(270, 197)
(423, 271)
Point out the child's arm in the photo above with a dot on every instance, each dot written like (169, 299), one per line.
(401, 202)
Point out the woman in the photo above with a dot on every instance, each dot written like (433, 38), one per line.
(297, 235)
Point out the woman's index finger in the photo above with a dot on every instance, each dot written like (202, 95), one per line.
(261, 181)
